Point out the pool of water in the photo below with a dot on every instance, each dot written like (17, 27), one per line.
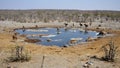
(55, 36)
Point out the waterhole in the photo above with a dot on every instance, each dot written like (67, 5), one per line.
(57, 36)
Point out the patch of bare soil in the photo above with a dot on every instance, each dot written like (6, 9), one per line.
(58, 57)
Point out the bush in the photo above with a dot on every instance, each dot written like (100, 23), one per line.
(19, 54)
(110, 51)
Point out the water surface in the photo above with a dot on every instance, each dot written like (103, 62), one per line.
(59, 37)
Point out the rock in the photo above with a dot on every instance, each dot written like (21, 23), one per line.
(8, 66)
(91, 39)
(74, 40)
(48, 40)
(88, 64)
(40, 35)
(23, 35)
(32, 40)
(85, 65)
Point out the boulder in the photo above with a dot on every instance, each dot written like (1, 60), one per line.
(48, 40)
(74, 40)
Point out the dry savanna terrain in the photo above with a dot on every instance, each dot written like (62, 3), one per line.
(85, 55)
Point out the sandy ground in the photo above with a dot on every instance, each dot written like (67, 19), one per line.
(56, 57)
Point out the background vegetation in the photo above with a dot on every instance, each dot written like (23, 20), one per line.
(58, 15)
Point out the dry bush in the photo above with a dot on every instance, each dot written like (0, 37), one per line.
(110, 51)
(18, 53)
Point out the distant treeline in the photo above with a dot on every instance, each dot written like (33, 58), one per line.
(58, 15)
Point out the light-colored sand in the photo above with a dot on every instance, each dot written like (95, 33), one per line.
(55, 57)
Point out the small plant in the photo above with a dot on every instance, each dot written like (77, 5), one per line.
(110, 51)
(19, 54)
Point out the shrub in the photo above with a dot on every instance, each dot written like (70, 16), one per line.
(110, 51)
(19, 54)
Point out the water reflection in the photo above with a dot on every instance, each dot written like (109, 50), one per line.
(57, 36)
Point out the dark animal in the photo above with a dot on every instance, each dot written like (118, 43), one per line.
(14, 37)
(36, 26)
(86, 25)
(73, 24)
(80, 24)
(66, 24)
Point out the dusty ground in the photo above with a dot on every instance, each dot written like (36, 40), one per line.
(56, 57)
